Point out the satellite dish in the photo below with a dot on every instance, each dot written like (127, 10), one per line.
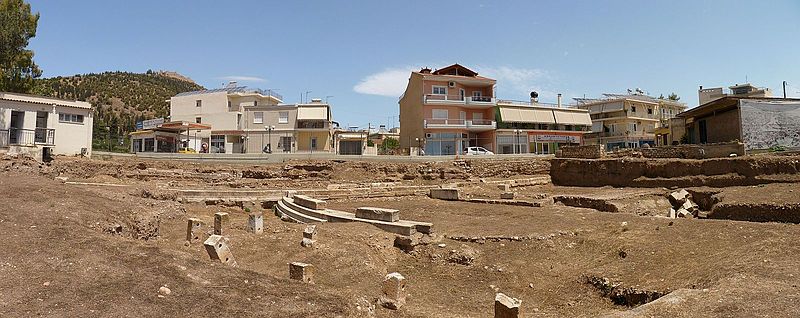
(534, 95)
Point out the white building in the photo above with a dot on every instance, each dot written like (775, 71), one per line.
(29, 124)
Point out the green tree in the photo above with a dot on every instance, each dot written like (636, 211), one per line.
(673, 96)
(17, 27)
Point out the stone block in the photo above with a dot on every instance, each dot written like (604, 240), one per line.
(672, 213)
(221, 220)
(380, 214)
(307, 242)
(289, 193)
(302, 272)
(452, 194)
(194, 230)
(255, 223)
(309, 202)
(677, 198)
(690, 206)
(507, 195)
(505, 187)
(683, 213)
(393, 291)
(219, 250)
(406, 243)
(506, 307)
(310, 232)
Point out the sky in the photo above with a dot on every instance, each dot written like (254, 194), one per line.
(359, 54)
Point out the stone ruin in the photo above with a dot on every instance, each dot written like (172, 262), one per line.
(506, 307)
(218, 250)
(255, 223)
(308, 236)
(221, 220)
(393, 291)
(194, 230)
(682, 205)
(302, 272)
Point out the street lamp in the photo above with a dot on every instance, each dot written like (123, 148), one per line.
(418, 145)
(269, 138)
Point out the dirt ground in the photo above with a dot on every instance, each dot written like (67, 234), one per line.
(89, 250)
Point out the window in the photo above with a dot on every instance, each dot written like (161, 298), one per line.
(229, 104)
(258, 117)
(440, 90)
(283, 117)
(255, 103)
(477, 93)
(198, 120)
(217, 143)
(439, 113)
(70, 118)
(633, 109)
(149, 144)
(199, 103)
(314, 143)
(649, 111)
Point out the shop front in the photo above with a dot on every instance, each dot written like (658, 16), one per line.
(550, 142)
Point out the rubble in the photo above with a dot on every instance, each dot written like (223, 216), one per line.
(682, 205)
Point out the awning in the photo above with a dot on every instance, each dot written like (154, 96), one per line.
(312, 113)
(526, 115)
(566, 117)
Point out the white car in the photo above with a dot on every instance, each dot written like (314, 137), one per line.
(477, 151)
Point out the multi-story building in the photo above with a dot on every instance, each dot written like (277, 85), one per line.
(447, 110)
(36, 125)
(222, 109)
(289, 128)
(450, 109)
(628, 120)
(246, 120)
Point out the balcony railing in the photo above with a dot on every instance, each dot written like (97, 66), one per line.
(26, 137)
(458, 99)
(459, 123)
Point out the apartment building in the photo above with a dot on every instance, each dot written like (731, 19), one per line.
(447, 110)
(306, 127)
(37, 125)
(224, 110)
(628, 120)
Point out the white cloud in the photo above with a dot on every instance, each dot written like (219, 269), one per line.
(390, 82)
(520, 81)
(512, 82)
(243, 78)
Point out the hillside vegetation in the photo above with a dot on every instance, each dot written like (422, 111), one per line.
(119, 99)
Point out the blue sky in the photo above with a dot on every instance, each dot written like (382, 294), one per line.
(360, 52)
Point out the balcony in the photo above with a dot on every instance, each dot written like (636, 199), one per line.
(472, 125)
(27, 137)
(459, 100)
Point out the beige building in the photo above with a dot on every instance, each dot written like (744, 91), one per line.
(289, 128)
(35, 124)
(628, 120)
(224, 110)
(706, 95)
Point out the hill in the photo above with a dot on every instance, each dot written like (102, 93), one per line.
(120, 99)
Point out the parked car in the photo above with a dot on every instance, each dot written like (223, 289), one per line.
(477, 151)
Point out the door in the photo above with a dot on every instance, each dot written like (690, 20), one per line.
(286, 144)
(350, 147)
(461, 93)
(41, 127)
(703, 132)
(15, 130)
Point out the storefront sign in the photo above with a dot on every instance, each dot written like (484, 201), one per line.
(149, 124)
(556, 138)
